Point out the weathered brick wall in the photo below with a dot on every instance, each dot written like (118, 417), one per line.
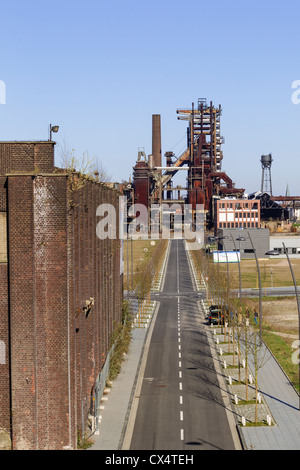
(4, 351)
(21, 298)
(56, 265)
(38, 312)
(96, 275)
(24, 157)
(17, 157)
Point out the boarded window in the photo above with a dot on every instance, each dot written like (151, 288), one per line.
(3, 238)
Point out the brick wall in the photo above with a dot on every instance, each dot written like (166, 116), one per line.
(4, 349)
(56, 265)
(95, 270)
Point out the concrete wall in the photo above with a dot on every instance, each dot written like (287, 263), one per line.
(260, 239)
(292, 244)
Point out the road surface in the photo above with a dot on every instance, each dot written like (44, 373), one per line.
(181, 404)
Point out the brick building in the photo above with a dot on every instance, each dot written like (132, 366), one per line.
(236, 213)
(60, 295)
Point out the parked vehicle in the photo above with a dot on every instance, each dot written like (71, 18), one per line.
(216, 315)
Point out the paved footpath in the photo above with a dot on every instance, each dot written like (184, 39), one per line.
(117, 408)
(283, 402)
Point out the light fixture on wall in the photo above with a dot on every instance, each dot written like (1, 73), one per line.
(52, 129)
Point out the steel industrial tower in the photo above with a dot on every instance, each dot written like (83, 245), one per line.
(202, 161)
(266, 182)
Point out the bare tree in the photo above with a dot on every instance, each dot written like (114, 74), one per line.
(84, 164)
(260, 355)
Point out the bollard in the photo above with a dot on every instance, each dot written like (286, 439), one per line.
(250, 379)
(225, 365)
(243, 421)
(221, 352)
(269, 420)
(236, 399)
(230, 380)
(259, 397)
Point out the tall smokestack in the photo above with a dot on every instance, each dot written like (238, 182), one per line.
(156, 139)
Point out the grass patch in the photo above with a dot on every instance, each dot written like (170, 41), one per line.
(259, 423)
(283, 353)
(142, 251)
(83, 443)
(247, 402)
(121, 339)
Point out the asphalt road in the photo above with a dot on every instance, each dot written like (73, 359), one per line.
(181, 405)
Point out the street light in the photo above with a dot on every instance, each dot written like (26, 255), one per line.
(260, 292)
(240, 239)
(274, 253)
(227, 265)
(52, 129)
(225, 238)
(243, 239)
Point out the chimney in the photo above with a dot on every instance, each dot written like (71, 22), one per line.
(156, 139)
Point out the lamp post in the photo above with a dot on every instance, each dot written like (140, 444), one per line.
(239, 261)
(52, 129)
(260, 292)
(208, 241)
(225, 238)
(275, 252)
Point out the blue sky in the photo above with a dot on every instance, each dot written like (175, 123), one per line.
(101, 69)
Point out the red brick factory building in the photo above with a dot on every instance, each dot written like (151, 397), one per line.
(60, 296)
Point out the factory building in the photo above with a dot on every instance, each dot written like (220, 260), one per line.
(201, 160)
(236, 213)
(239, 239)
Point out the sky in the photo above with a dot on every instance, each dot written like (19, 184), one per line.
(100, 70)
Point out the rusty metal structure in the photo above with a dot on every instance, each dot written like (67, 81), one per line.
(202, 159)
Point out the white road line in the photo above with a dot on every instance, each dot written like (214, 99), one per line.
(177, 271)
(180, 385)
(182, 434)
(180, 399)
(180, 374)
(181, 415)
(179, 364)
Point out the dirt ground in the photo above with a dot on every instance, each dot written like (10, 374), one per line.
(281, 315)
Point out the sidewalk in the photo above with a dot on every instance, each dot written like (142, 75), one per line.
(283, 402)
(117, 407)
